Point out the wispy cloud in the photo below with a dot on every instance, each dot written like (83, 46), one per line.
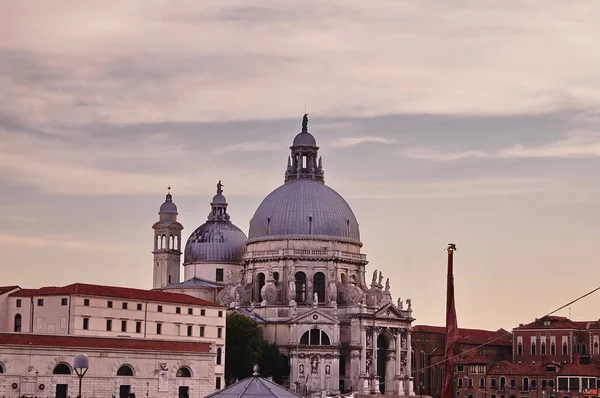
(577, 145)
(54, 241)
(249, 147)
(354, 141)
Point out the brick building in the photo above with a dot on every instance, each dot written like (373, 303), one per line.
(473, 361)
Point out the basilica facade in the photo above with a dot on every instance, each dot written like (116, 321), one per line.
(301, 274)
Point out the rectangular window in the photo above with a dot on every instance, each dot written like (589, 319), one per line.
(159, 328)
(138, 327)
(40, 302)
(460, 368)
(124, 306)
(159, 308)
(219, 276)
(481, 382)
(470, 383)
(86, 302)
(189, 330)
(109, 325)
(460, 382)
(139, 307)
(218, 383)
(202, 312)
(190, 311)
(219, 333)
(177, 330)
(201, 331)
(64, 301)
(109, 304)
(220, 314)
(178, 310)
(493, 382)
(18, 302)
(86, 323)
(123, 326)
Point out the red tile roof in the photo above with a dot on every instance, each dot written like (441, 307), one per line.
(90, 343)
(472, 336)
(6, 289)
(556, 322)
(84, 289)
(572, 369)
(505, 368)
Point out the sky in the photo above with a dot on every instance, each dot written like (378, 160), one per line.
(471, 122)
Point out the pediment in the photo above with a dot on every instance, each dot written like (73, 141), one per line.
(315, 316)
(390, 311)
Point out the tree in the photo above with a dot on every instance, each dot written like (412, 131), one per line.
(273, 363)
(243, 343)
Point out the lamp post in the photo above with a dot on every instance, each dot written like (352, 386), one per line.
(81, 363)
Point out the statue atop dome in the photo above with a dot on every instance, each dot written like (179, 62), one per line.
(305, 123)
(220, 188)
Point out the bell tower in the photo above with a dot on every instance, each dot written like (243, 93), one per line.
(304, 162)
(167, 245)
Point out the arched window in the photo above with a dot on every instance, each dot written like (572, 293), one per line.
(219, 352)
(533, 348)
(300, 286)
(157, 242)
(343, 276)
(422, 363)
(565, 349)
(525, 384)
(183, 371)
(171, 242)
(596, 348)
(163, 242)
(1, 367)
(583, 349)
(315, 337)
(260, 282)
(319, 286)
(176, 243)
(18, 320)
(520, 348)
(276, 276)
(543, 348)
(62, 369)
(125, 370)
(413, 362)
(502, 382)
(552, 348)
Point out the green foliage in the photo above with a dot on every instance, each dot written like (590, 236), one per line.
(243, 347)
(273, 363)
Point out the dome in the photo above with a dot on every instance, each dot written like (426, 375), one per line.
(168, 206)
(301, 208)
(304, 139)
(215, 242)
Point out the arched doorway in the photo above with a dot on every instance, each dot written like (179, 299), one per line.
(260, 282)
(382, 353)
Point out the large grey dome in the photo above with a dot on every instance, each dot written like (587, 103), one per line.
(301, 208)
(215, 242)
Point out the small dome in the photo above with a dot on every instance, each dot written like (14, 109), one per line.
(215, 242)
(305, 139)
(219, 199)
(168, 206)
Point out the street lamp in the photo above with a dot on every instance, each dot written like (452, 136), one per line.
(81, 363)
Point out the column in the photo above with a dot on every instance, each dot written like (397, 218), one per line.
(374, 370)
(409, 364)
(399, 383)
(363, 350)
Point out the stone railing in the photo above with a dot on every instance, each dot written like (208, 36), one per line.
(261, 254)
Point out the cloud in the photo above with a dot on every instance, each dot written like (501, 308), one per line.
(54, 241)
(354, 141)
(578, 145)
(249, 147)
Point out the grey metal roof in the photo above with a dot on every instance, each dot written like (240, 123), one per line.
(168, 206)
(305, 139)
(215, 242)
(304, 208)
(254, 387)
(195, 282)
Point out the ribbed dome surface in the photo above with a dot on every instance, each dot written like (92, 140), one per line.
(304, 208)
(305, 139)
(215, 242)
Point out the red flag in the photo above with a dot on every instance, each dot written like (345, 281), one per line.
(451, 328)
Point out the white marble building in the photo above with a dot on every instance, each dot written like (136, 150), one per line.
(142, 342)
(302, 275)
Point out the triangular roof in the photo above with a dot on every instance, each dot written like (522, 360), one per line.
(391, 312)
(314, 315)
(254, 387)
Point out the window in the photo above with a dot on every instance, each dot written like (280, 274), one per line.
(315, 337)
(18, 303)
(219, 275)
(86, 302)
(177, 330)
(40, 302)
(219, 333)
(520, 348)
(18, 321)
(124, 306)
(319, 286)
(460, 368)
(533, 383)
(543, 348)
(86, 323)
(62, 369)
(159, 308)
(138, 327)
(260, 282)
(552, 348)
(525, 384)
(219, 351)
(109, 324)
(139, 307)
(190, 329)
(550, 383)
(513, 383)
(481, 382)
(477, 369)
(220, 314)
(502, 382)
(123, 326)
(190, 311)
(201, 331)
(109, 304)
(65, 301)
(159, 328)
(544, 383)
(202, 312)
(125, 370)
(218, 383)
(493, 383)
(533, 346)
(178, 310)
(460, 383)
(565, 349)
(470, 383)
(183, 372)
(300, 286)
